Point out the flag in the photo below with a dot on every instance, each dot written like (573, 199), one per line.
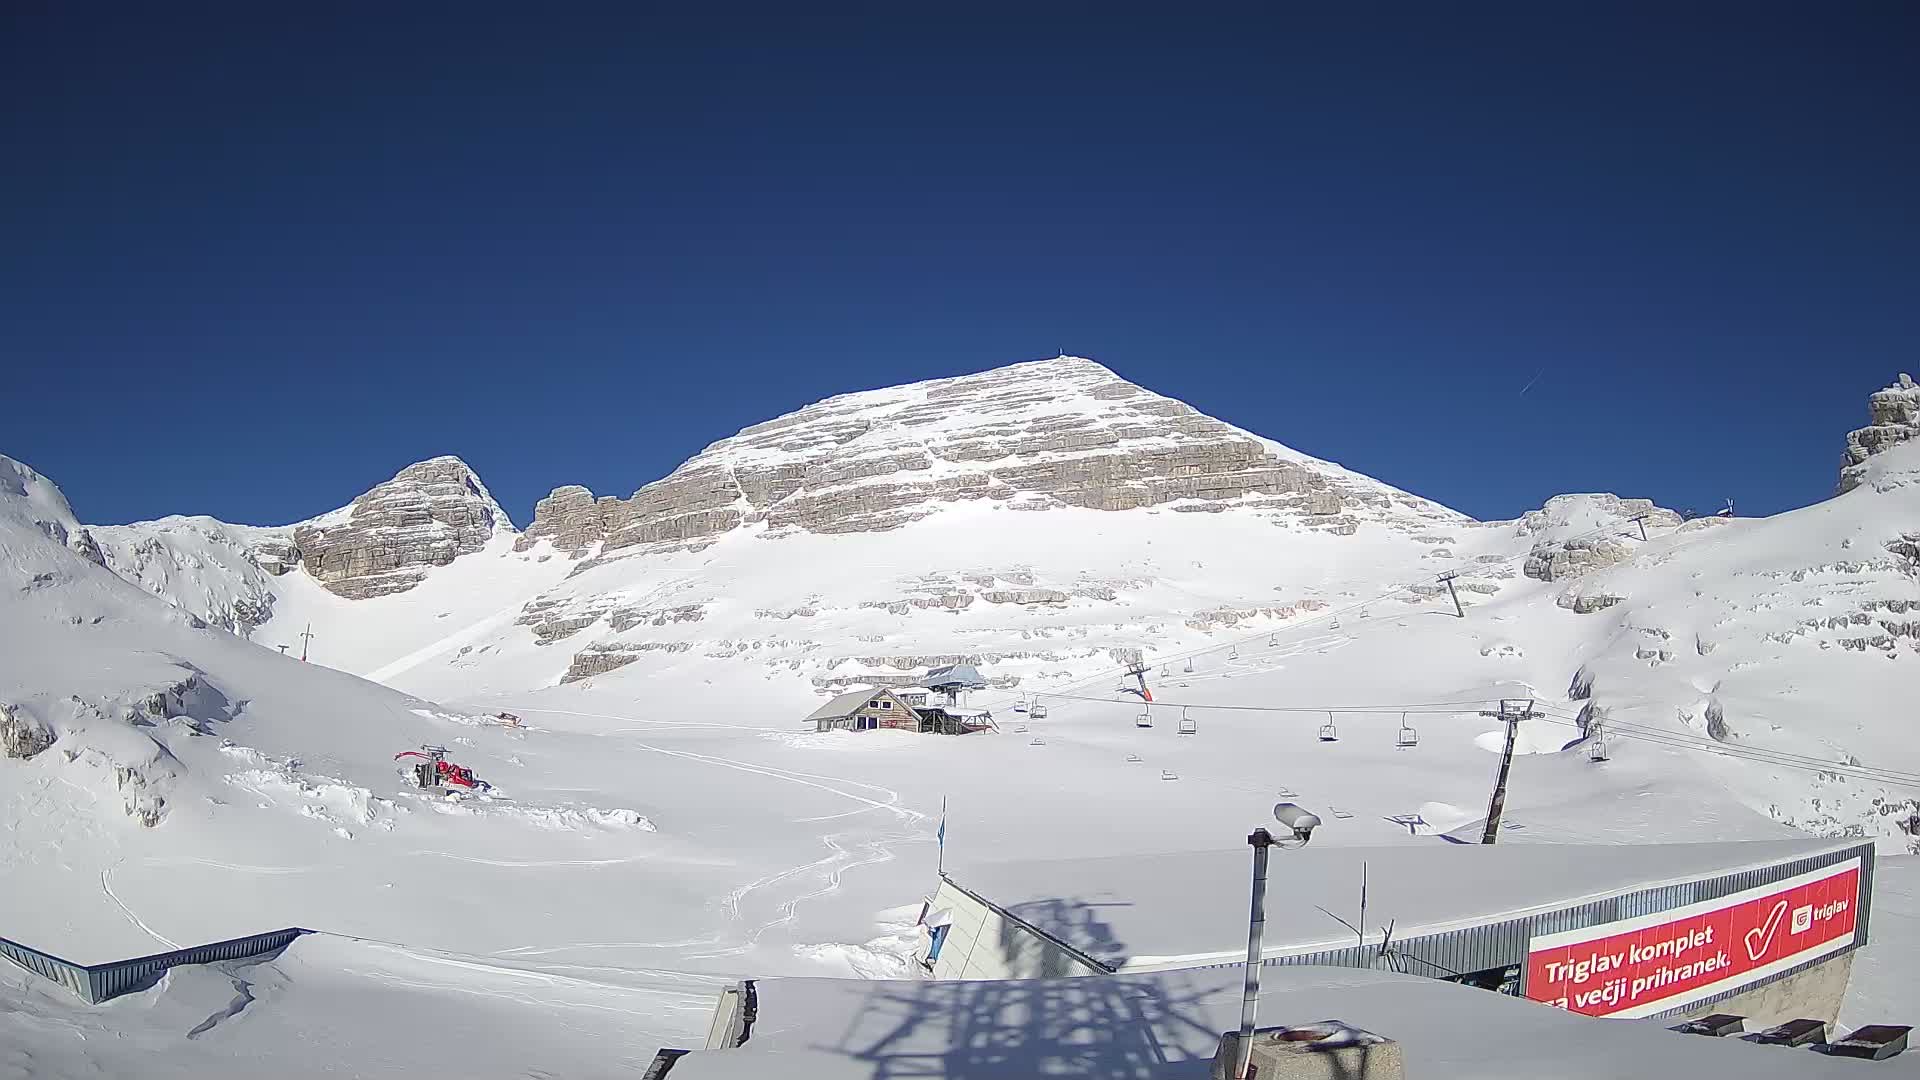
(940, 835)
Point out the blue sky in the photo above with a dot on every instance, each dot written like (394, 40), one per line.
(253, 260)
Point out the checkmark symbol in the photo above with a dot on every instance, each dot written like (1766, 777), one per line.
(1760, 938)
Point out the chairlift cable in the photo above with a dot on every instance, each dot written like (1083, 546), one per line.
(1330, 614)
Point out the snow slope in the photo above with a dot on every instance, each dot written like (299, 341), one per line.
(664, 816)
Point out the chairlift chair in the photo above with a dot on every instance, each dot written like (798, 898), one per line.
(1145, 719)
(1233, 653)
(1407, 738)
(1329, 733)
(1020, 729)
(1038, 712)
(1135, 758)
(1189, 726)
(1169, 774)
(1038, 742)
(1364, 615)
(1273, 640)
(1166, 671)
(1334, 625)
(1189, 665)
(1597, 748)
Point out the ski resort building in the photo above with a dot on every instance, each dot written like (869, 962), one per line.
(865, 710)
(902, 710)
(1625, 930)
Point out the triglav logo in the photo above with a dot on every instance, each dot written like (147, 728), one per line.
(1802, 919)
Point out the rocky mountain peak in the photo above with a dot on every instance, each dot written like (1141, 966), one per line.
(430, 513)
(1047, 434)
(1893, 418)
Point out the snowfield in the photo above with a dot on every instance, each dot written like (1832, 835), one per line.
(667, 825)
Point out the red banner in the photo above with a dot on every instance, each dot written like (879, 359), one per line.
(1645, 965)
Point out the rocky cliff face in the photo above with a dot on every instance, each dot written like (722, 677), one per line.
(428, 515)
(1893, 418)
(1034, 436)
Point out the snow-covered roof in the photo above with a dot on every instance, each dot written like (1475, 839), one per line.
(1138, 912)
(1167, 1024)
(846, 703)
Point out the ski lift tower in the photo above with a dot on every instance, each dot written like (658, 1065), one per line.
(1138, 671)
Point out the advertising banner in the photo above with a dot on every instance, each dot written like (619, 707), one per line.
(1652, 963)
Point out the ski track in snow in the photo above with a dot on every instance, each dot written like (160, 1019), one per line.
(651, 723)
(106, 885)
(832, 867)
(530, 864)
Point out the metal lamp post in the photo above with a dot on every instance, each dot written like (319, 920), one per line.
(1300, 823)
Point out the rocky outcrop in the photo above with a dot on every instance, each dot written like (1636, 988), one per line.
(1025, 596)
(600, 659)
(569, 517)
(22, 736)
(428, 515)
(1893, 418)
(1578, 534)
(555, 620)
(85, 546)
(1055, 433)
(276, 557)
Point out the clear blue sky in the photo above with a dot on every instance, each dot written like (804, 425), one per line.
(256, 257)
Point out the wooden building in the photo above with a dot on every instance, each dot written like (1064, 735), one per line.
(903, 710)
(865, 710)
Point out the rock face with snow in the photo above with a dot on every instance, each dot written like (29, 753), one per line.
(428, 515)
(1054, 433)
(207, 568)
(1893, 418)
(1578, 534)
(21, 736)
(569, 517)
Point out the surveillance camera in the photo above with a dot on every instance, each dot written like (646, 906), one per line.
(1298, 819)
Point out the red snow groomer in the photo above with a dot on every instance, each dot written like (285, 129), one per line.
(433, 772)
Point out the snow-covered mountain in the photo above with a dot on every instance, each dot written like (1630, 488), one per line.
(1049, 520)
(665, 821)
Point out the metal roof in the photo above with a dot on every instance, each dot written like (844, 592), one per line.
(1135, 912)
(959, 676)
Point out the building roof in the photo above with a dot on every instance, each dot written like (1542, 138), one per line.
(1139, 912)
(1167, 1025)
(846, 703)
(958, 676)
